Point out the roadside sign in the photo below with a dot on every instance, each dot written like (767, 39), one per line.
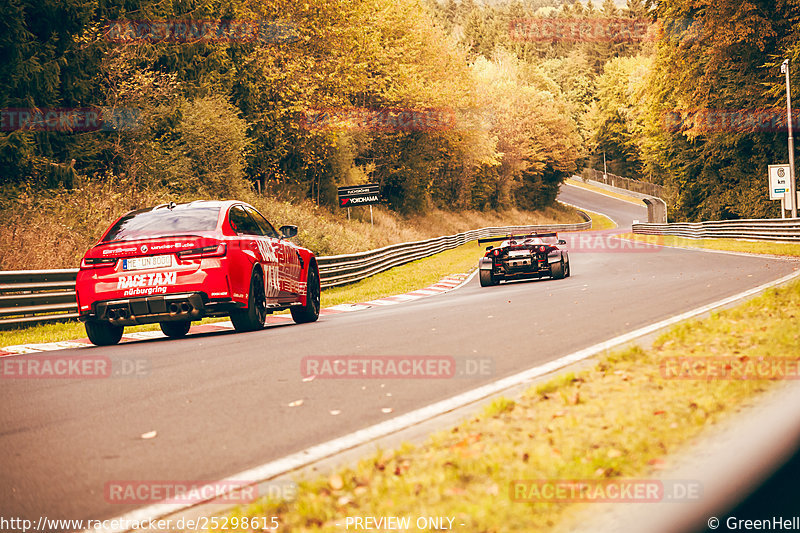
(359, 195)
(778, 181)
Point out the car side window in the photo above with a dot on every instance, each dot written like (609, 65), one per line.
(241, 222)
(266, 228)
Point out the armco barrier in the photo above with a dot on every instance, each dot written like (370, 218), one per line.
(34, 296)
(760, 229)
(38, 296)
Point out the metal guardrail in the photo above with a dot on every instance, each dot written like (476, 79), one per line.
(35, 296)
(758, 229)
(40, 296)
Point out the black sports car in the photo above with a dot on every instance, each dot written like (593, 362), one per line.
(523, 257)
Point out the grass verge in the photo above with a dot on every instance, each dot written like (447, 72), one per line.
(618, 419)
(731, 245)
(599, 221)
(613, 194)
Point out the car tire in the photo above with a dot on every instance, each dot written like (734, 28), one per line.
(310, 311)
(566, 270)
(557, 270)
(175, 329)
(254, 316)
(487, 278)
(103, 333)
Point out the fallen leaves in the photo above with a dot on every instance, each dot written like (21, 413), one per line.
(469, 439)
(336, 482)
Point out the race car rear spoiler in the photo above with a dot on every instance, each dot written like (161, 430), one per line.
(515, 237)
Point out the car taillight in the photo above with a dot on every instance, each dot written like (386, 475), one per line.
(97, 262)
(215, 250)
(542, 249)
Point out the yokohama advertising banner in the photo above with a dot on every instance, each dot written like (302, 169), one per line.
(359, 195)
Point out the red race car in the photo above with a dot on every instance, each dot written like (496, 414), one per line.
(173, 264)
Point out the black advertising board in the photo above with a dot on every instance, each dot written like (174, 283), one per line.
(357, 195)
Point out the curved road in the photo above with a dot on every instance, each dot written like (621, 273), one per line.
(219, 402)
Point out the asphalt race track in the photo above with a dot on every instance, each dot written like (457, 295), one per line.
(220, 402)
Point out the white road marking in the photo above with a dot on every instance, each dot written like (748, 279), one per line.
(327, 449)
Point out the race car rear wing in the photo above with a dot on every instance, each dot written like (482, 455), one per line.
(516, 237)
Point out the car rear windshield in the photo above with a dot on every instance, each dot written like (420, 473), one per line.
(163, 222)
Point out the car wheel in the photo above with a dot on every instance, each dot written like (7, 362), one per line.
(310, 311)
(487, 278)
(103, 333)
(253, 317)
(557, 270)
(567, 271)
(175, 329)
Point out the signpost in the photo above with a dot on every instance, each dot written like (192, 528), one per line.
(779, 185)
(792, 178)
(358, 195)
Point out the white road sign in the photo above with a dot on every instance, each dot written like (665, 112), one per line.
(778, 181)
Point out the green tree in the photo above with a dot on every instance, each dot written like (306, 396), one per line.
(711, 56)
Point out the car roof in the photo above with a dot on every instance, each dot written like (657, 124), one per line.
(222, 204)
(204, 203)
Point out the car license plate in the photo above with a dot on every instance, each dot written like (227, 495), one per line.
(142, 263)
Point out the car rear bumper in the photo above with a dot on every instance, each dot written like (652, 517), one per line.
(521, 274)
(157, 308)
(517, 268)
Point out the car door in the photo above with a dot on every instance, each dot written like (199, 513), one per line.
(252, 240)
(289, 261)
